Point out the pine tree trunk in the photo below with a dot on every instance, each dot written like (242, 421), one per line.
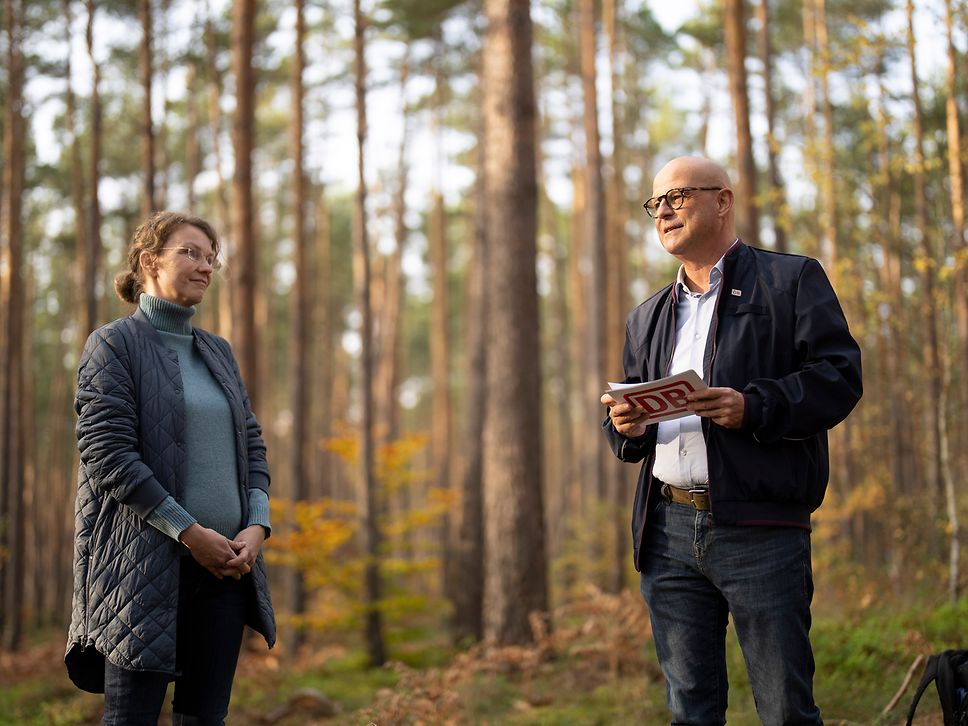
(243, 224)
(368, 502)
(92, 258)
(777, 197)
(12, 410)
(747, 215)
(927, 262)
(515, 564)
(213, 82)
(147, 129)
(956, 184)
(469, 566)
(300, 381)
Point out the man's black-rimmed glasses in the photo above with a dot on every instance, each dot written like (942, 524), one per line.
(674, 198)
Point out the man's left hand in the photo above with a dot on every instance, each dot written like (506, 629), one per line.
(725, 406)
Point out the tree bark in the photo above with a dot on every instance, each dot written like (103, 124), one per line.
(830, 216)
(957, 192)
(243, 225)
(469, 566)
(515, 564)
(12, 409)
(92, 258)
(367, 500)
(747, 214)
(213, 81)
(300, 381)
(147, 129)
(777, 196)
(928, 261)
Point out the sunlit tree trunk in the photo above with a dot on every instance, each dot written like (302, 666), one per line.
(323, 351)
(192, 164)
(244, 255)
(213, 97)
(956, 185)
(442, 459)
(13, 298)
(77, 166)
(147, 129)
(747, 215)
(830, 218)
(593, 267)
(515, 563)
(92, 258)
(935, 374)
(301, 303)
(368, 501)
(777, 196)
(618, 302)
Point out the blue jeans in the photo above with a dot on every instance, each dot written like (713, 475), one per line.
(211, 618)
(694, 577)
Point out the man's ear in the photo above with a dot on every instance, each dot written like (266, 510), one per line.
(725, 200)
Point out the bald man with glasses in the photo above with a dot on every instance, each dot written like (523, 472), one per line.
(721, 516)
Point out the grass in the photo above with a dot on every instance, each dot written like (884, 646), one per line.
(862, 657)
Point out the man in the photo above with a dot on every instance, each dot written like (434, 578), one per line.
(721, 518)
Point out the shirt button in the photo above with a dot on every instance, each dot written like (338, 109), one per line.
(683, 452)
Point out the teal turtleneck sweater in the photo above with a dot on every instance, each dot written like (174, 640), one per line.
(211, 490)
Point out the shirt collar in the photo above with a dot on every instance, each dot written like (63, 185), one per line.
(715, 274)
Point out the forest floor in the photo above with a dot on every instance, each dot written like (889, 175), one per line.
(596, 667)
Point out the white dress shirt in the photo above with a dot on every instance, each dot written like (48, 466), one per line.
(680, 452)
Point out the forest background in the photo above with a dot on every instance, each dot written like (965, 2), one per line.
(432, 224)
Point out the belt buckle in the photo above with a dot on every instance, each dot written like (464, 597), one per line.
(704, 505)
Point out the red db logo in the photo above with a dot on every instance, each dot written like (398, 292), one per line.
(664, 400)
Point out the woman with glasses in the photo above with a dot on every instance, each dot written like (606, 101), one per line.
(172, 504)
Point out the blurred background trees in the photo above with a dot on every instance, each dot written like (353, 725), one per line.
(433, 231)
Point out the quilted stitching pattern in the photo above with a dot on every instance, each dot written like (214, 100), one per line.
(131, 415)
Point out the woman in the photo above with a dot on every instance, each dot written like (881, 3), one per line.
(172, 505)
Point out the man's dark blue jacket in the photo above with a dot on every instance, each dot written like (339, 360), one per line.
(779, 336)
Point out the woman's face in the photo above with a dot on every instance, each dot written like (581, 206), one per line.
(181, 271)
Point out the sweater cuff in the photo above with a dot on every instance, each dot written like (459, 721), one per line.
(171, 518)
(259, 510)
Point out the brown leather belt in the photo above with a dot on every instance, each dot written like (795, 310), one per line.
(695, 498)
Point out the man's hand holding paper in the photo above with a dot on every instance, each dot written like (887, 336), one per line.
(635, 406)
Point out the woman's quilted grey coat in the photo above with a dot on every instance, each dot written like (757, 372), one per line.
(130, 429)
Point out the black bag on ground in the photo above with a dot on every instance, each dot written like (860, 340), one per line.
(949, 671)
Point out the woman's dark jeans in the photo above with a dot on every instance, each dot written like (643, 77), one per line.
(211, 616)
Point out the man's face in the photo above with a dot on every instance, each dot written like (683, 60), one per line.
(687, 231)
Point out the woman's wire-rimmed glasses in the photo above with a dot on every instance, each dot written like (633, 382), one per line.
(674, 198)
(195, 256)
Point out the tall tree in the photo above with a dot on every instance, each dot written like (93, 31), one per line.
(367, 499)
(13, 298)
(777, 196)
(830, 219)
(928, 262)
(617, 245)
(747, 214)
(515, 562)
(147, 128)
(442, 458)
(301, 303)
(92, 258)
(594, 261)
(468, 620)
(213, 97)
(956, 185)
(243, 223)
